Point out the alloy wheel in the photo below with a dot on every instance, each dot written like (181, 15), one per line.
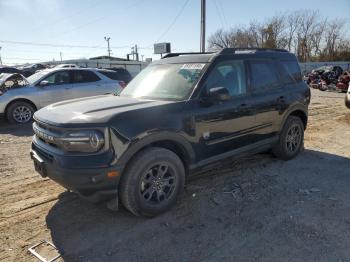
(22, 114)
(293, 138)
(157, 184)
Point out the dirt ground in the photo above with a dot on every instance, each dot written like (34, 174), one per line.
(253, 209)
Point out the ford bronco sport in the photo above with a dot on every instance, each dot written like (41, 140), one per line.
(180, 113)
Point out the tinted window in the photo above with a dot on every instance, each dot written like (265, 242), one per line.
(263, 76)
(293, 69)
(110, 75)
(58, 78)
(228, 74)
(84, 76)
(286, 76)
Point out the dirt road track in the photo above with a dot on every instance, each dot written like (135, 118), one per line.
(255, 209)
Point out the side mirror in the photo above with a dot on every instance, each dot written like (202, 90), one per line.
(44, 83)
(219, 93)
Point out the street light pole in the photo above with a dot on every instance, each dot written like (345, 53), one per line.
(61, 56)
(202, 40)
(108, 48)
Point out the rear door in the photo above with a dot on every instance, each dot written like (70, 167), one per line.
(269, 97)
(85, 83)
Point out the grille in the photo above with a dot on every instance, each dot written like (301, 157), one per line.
(47, 134)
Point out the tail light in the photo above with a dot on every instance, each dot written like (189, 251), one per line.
(122, 84)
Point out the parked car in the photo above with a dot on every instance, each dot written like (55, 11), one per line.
(178, 114)
(10, 70)
(67, 66)
(32, 69)
(49, 86)
(343, 82)
(347, 98)
(121, 74)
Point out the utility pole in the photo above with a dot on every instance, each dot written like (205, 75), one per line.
(0, 56)
(108, 48)
(202, 40)
(61, 56)
(137, 53)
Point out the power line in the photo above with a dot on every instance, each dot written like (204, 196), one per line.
(173, 22)
(57, 45)
(223, 12)
(219, 14)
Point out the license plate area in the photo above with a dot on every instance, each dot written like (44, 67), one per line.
(39, 164)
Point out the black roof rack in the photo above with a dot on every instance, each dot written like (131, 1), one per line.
(226, 51)
(188, 53)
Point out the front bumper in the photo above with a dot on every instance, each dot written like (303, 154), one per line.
(92, 184)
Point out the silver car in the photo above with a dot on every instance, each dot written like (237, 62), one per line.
(20, 97)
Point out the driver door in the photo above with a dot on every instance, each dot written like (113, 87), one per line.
(55, 88)
(225, 126)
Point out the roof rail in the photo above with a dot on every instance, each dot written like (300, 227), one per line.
(189, 53)
(226, 51)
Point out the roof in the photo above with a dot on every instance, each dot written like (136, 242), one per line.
(242, 52)
(108, 58)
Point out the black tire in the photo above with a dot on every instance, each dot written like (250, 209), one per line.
(20, 112)
(138, 188)
(290, 145)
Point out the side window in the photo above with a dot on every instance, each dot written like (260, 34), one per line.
(263, 76)
(58, 78)
(229, 74)
(84, 76)
(286, 76)
(293, 69)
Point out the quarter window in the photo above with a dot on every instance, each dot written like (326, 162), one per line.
(228, 74)
(263, 76)
(293, 69)
(84, 76)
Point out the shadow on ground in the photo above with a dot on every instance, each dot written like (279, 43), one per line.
(258, 208)
(16, 129)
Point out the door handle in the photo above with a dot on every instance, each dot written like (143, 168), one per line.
(281, 99)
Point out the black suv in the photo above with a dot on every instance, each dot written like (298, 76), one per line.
(180, 113)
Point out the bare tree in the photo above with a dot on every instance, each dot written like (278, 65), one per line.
(332, 36)
(304, 32)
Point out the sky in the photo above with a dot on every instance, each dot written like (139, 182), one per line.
(39, 30)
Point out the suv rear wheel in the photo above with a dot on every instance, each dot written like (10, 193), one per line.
(20, 112)
(291, 139)
(152, 182)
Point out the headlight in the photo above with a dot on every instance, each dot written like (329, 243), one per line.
(88, 141)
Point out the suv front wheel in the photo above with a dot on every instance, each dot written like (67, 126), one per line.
(152, 181)
(291, 139)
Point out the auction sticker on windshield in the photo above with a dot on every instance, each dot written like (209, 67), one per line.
(193, 66)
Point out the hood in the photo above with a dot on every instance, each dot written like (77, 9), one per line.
(96, 109)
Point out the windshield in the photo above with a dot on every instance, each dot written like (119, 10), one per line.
(35, 77)
(164, 81)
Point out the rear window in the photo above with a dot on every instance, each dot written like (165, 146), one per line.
(292, 69)
(110, 74)
(84, 76)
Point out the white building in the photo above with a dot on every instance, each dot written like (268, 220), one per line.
(134, 67)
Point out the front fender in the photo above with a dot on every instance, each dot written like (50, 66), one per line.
(125, 149)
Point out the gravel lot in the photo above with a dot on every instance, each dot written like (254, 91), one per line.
(253, 209)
